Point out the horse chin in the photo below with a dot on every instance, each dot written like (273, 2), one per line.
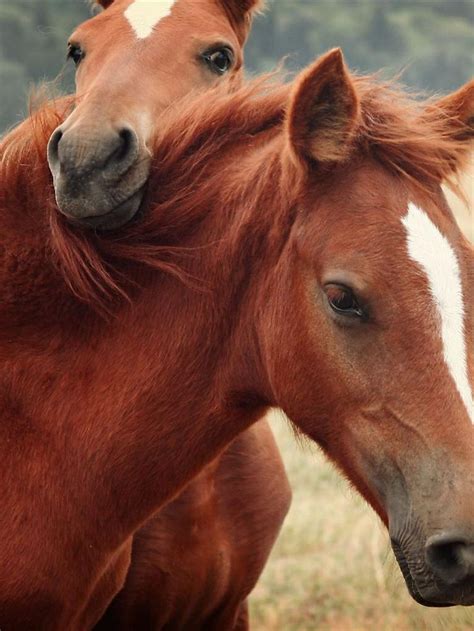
(114, 219)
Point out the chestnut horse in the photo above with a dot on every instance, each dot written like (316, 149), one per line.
(322, 271)
(203, 553)
(134, 60)
(129, 70)
(213, 37)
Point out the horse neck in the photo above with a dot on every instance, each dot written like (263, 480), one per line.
(169, 382)
(244, 216)
(215, 379)
(198, 371)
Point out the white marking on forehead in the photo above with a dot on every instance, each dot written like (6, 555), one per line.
(433, 252)
(144, 15)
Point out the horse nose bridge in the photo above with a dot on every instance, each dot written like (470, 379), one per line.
(433, 475)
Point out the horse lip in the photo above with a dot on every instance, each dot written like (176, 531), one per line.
(410, 581)
(116, 218)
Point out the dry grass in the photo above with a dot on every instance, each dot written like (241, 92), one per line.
(332, 568)
(465, 211)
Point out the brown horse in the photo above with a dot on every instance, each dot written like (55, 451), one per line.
(109, 106)
(203, 553)
(97, 155)
(309, 278)
(134, 60)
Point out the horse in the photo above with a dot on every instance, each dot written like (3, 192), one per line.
(194, 577)
(109, 111)
(111, 117)
(134, 60)
(367, 153)
(358, 142)
(297, 235)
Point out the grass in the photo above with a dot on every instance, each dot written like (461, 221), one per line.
(332, 568)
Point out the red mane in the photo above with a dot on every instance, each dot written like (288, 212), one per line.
(408, 136)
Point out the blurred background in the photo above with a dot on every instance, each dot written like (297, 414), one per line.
(332, 568)
(432, 40)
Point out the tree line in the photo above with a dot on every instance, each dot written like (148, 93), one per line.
(431, 41)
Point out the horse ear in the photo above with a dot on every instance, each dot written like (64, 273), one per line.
(324, 111)
(454, 117)
(241, 13)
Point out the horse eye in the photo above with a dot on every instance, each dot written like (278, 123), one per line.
(220, 60)
(75, 52)
(343, 301)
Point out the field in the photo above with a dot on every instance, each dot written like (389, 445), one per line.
(332, 568)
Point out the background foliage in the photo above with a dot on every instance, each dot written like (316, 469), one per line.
(432, 39)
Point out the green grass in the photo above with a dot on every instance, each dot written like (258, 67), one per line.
(332, 568)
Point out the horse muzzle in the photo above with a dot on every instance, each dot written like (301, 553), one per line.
(439, 573)
(99, 177)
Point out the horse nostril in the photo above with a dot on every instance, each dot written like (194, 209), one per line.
(450, 558)
(53, 147)
(82, 158)
(128, 145)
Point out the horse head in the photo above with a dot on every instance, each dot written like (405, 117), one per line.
(369, 330)
(134, 60)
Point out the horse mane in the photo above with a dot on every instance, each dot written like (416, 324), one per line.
(412, 139)
(411, 135)
(96, 267)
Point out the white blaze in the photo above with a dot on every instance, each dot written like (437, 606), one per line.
(144, 15)
(433, 252)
